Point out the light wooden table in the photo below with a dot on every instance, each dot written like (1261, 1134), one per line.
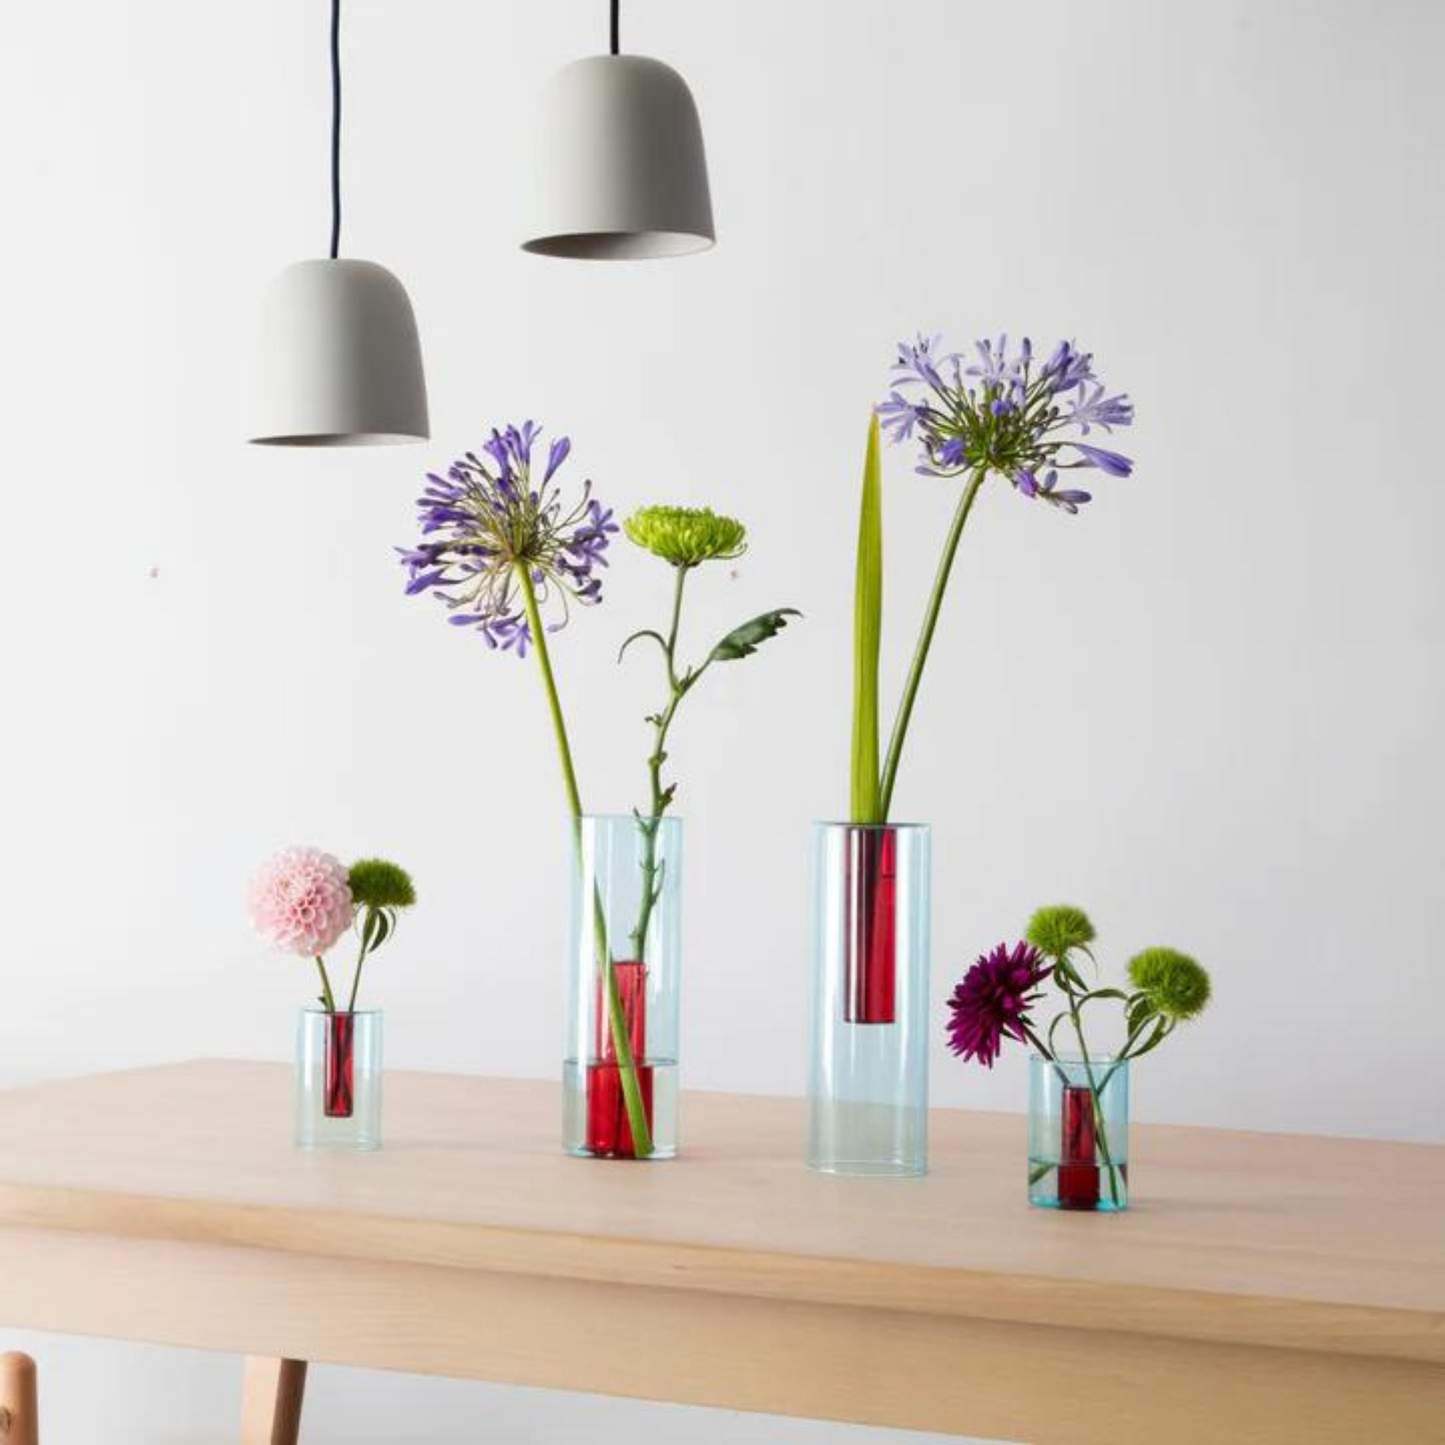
(1266, 1287)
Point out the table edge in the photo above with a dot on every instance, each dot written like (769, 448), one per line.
(1191, 1314)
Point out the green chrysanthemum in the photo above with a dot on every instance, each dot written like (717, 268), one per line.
(1176, 985)
(1058, 930)
(375, 883)
(687, 536)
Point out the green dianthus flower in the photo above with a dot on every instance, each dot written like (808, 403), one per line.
(1058, 930)
(375, 883)
(1176, 985)
(687, 536)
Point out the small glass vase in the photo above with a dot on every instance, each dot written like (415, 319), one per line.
(1079, 1133)
(338, 1079)
(623, 950)
(868, 1085)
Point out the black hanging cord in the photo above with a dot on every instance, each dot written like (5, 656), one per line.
(616, 26)
(335, 128)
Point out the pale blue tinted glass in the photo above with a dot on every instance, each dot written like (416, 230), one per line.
(626, 888)
(338, 1098)
(1079, 1133)
(868, 1074)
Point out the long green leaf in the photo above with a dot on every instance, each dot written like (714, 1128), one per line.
(745, 640)
(867, 804)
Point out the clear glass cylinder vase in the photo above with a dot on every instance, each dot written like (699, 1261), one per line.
(338, 1079)
(1079, 1133)
(868, 1076)
(624, 947)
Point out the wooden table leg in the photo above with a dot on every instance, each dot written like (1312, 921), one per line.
(270, 1402)
(19, 1417)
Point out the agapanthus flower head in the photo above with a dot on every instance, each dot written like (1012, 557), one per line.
(1059, 929)
(491, 519)
(300, 901)
(377, 883)
(1177, 986)
(687, 536)
(1001, 411)
(992, 1001)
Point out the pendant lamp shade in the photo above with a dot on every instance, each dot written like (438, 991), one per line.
(621, 172)
(338, 361)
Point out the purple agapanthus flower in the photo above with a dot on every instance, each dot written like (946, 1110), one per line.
(1001, 411)
(490, 530)
(992, 1001)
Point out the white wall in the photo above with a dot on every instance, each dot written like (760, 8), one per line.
(1209, 709)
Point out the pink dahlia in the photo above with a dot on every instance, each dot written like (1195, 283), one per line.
(300, 901)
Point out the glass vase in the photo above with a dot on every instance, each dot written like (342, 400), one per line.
(1079, 1133)
(868, 1077)
(624, 945)
(338, 1079)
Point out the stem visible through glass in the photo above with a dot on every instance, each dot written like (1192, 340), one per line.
(1100, 1131)
(617, 1019)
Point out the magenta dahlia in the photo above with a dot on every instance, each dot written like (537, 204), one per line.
(992, 1000)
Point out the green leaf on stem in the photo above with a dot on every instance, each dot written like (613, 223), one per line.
(866, 805)
(1139, 1011)
(745, 640)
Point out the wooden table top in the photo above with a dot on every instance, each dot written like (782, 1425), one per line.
(1325, 1244)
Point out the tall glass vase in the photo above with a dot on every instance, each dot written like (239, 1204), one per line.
(624, 947)
(868, 1085)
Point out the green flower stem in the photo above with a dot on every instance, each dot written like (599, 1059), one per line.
(617, 1020)
(356, 977)
(1043, 1051)
(1162, 1030)
(677, 688)
(1038, 1171)
(925, 640)
(554, 703)
(1099, 1130)
(327, 1001)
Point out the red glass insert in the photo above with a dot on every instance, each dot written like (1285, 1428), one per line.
(1078, 1152)
(340, 1065)
(609, 1132)
(870, 891)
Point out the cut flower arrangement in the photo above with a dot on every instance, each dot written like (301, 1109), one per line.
(303, 901)
(510, 558)
(1078, 1126)
(1001, 413)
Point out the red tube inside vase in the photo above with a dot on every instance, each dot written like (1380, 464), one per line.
(1078, 1152)
(870, 892)
(609, 1131)
(340, 1093)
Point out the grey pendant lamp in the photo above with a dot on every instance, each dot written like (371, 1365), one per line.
(338, 359)
(621, 173)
